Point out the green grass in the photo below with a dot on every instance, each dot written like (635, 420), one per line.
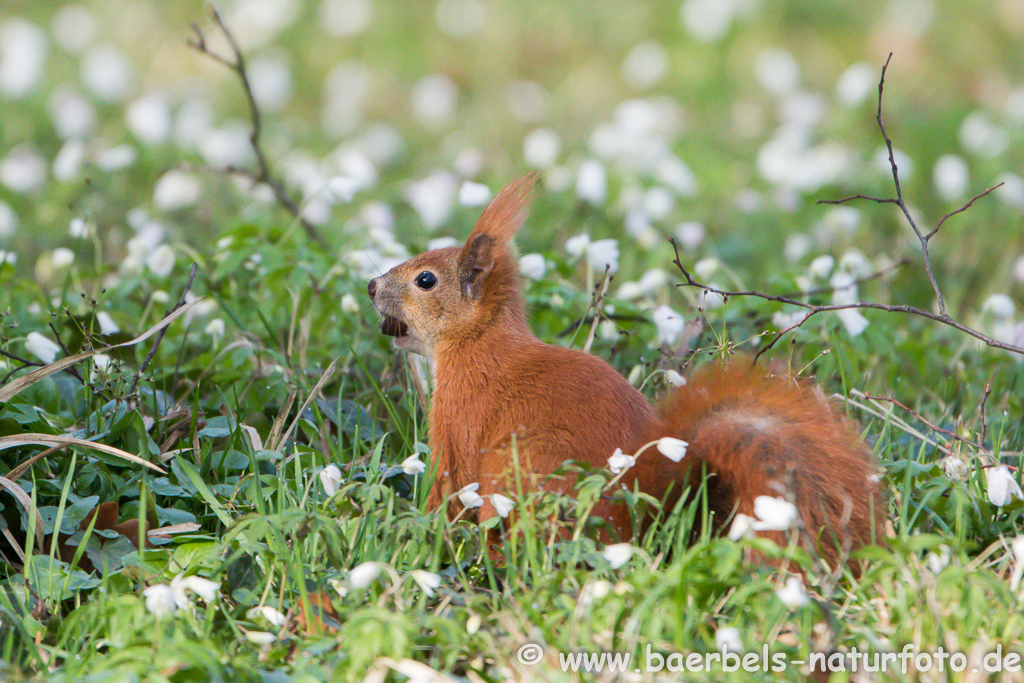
(242, 423)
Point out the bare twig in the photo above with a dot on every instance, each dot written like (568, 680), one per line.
(924, 237)
(263, 174)
(160, 335)
(934, 427)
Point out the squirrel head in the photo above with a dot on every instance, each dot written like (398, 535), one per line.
(458, 294)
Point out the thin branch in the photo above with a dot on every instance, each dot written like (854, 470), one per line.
(263, 174)
(934, 427)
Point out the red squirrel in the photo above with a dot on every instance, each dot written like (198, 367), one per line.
(749, 432)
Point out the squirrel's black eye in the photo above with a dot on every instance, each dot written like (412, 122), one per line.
(426, 280)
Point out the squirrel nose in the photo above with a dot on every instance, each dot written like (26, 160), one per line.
(371, 288)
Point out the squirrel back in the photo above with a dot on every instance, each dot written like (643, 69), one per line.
(500, 392)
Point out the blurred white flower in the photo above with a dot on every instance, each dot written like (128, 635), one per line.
(674, 172)
(796, 247)
(345, 91)
(951, 177)
(528, 101)
(620, 461)
(981, 135)
(618, 554)
(727, 639)
(427, 581)
(937, 561)
(74, 27)
(176, 190)
(707, 20)
(116, 158)
(558, 179)
(182, 585)
(257, 22)
(674, 378)
(856, 83)
(774, 514)
(793, 596)
(742, 527)
(226, 146)
(271, 82)
(821, 266)
(1001, 484)
(855, 263)
(161, 260)
(591, 182)
(1018, 265)
(69, 160)
(23, 170)
(8, 257)
(73, 116)
(433, 198)
(629, 290)
(668, 323)
(602, 254)
(634, 375)
(1000, 306)
(433, 100)
(653, 280)
(852, 319)
(349, 304)
(42, 347)
(343, 188)
(706, 268)
(354, 163)
(904, 163)
(100, 363)
(364, 574)
(541, 148)
(784, 321)
(1011, 192)
(469, 162)
(954, 467)
(107, 324)
(215, 328)
(671, 448)
(22, 57)
(844, 287)
(149, 119)
(645, 64)
(469, 497)
(330, 479)
(502, 504)
(107, 73)
(532, 266)
(413, 465)
(460, 18)
(577, 246)
(79, 228)
(384, 145)
(159, 599)
(272, 616)
(345, 18)
(62, 257)
(473, 624)
(261, 638)
(690, 235)
(474, 194)
(193, 122)
(777, 71)
(1017, 546)
(658, 202)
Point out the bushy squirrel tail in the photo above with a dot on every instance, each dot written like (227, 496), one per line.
(762, 434)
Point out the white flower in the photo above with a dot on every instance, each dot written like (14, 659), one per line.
(433, 199)
(603, 254)
(793, 595)
(344, 18)
(7, 257)
(161, 260)
(742, 527)
(330, 478)
(690, 234)
(413, 465)
(706, 268)
(62, 257)
(160, 599)
(433, 100)
(271, 82)
(79, 228)
(107, 72)
(149, 119)
(592, 182)
(951, 177)
(473, 623)
(107, 324)
(72, 115)
(673, 449)
(669, 324)
(8, 220)
(502, 504)
(577, 246)
(261, 638)
(116, 158)
(784, 320)
(468, 496)
(856, 83)
(774, 514)
(1000, 306)
(620, 461)
(674, 378)
(852, 320)
(821, 267)
(541, 148)
(182, 585)
(980, 134)
(618, 554)
(707, 20)
(532, 266)
(474, 194)
(777, 71)
(427, 581)
(349, 304)
(1002, 487)
(100, 363)
(41, 347)
(364, 574)
(940, 560)
(954, 467)
(273, 616)
(176, 190)
(23, 170)
(645, 64)
(1017, 546)
(855, 263)
(460, 19)
(22, 57)
(226, 146)
(727, 639)
(215, 328)
(343, 188)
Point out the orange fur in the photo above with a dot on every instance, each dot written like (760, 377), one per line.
(756, 434)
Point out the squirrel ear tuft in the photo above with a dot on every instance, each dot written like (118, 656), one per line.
(506, 213)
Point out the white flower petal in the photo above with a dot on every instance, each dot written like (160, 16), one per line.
(427, 581)
(330, 478)
(774, 514)
(671, 448)
(502, 504)
(793, 595)
(413, 465)
(618, 554)
(160, 599)
(364, 574)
